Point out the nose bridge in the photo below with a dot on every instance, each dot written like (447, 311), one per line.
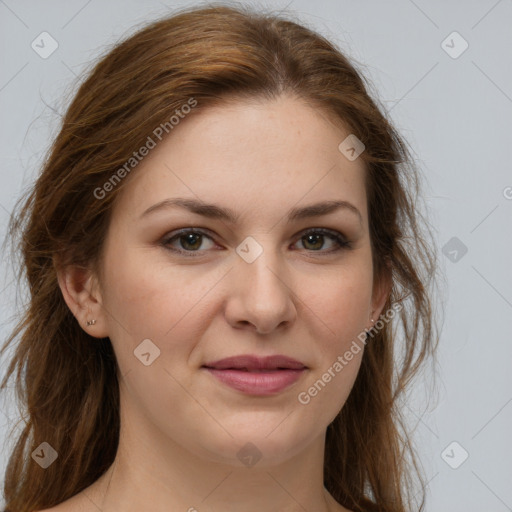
(261, 262)
(264, 298)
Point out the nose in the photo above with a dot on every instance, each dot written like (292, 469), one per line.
(261, 296)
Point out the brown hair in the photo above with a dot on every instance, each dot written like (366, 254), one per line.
(66, 380)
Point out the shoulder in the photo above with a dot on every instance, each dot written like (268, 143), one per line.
(87, 500)
(78, 503)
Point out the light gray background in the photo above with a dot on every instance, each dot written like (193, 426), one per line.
(455, 112)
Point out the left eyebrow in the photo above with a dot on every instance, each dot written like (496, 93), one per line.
(213, 211)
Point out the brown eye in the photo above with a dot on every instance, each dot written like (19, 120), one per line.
(314, 240)
(188, 241)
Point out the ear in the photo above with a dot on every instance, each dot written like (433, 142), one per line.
(381, 290)
(80, 289)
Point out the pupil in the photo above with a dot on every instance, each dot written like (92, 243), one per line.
(189, 239)
(313, 237)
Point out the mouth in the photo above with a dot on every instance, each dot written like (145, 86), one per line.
(255, 375)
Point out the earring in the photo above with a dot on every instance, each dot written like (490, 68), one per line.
(91, 322)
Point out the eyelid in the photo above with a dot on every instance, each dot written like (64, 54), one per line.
(339, 238)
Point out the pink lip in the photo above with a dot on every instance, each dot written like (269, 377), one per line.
(257, 375)
(256, 382)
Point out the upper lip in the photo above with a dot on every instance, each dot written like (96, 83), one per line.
(250, 362)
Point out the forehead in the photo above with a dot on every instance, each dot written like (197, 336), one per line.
(251, 156)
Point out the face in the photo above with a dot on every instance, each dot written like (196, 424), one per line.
(264, 284)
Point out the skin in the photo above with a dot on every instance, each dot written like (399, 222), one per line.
(181, 429)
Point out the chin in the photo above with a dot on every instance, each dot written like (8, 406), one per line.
(262, 444)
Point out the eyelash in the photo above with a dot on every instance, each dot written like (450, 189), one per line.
(341, 242)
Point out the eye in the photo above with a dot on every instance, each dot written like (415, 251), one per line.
(190, 240)
(314, 238)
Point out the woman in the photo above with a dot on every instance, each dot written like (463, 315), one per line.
(218, 247)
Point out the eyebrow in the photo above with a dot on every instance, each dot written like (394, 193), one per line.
(213, 211)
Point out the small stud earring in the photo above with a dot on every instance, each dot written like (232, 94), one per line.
(91, 322)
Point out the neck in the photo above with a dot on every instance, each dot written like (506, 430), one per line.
(151, 469)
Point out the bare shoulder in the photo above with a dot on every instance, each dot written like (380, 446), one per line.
(77, 503)
(88, 500)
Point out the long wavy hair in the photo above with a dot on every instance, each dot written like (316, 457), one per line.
(66, 383)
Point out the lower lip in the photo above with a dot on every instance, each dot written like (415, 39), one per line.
(257, 383)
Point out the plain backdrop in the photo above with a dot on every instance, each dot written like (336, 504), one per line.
(443, 71)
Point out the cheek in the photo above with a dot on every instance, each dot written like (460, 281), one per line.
(341, 307)
(148, 298)
(341, 302)
(137, 298)
(334, 386)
